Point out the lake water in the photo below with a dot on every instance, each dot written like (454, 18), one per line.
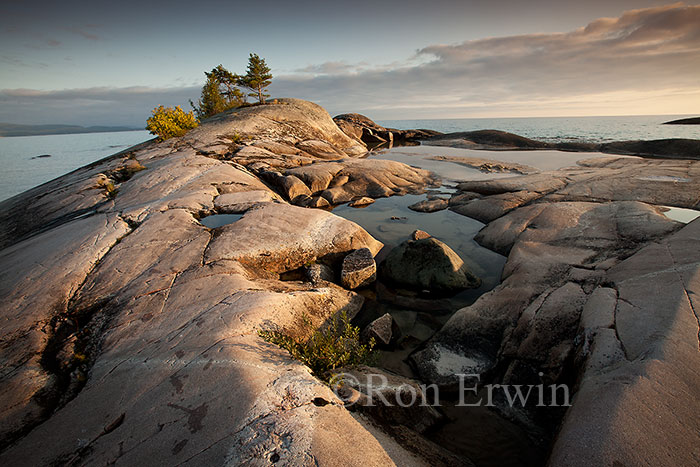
(559, 129)
(69, 152)
(22, 169)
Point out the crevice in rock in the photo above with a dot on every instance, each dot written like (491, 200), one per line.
(617, 334)
(74, 338)
(685, 291)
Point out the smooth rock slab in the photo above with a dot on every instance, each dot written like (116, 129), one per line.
(268, 238)
(234, 203)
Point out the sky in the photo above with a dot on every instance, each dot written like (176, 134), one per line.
(110, 63)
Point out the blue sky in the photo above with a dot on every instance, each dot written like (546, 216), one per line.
(110, 62)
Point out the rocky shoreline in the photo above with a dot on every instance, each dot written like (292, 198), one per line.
(131, 329)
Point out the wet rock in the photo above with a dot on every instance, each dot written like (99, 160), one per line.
(430, 205)
(383, 330)
(462, 197)
(362, 202)
(359, 269)
(428, 264)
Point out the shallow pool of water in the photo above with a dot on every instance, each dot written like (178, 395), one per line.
(540, 159)
(218, 220)
(684, 215)
(453, 229)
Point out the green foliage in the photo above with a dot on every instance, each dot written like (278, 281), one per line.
(336, 346)
(167, 122)
(221, 90)
(258, 78)
(219, 93)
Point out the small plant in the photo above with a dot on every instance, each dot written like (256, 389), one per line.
(108, 186)
(236, 138)
(335, 346)
(167, 122)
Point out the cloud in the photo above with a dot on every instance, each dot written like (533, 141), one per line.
(328, 68)
(645, 61)
(642, 51)
(94, 106)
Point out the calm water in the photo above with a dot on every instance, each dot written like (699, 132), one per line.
(557, 129)
(68, 152)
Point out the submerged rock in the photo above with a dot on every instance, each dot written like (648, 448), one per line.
(430, 205)
(428, 264)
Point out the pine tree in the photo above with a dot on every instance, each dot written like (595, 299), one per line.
(257, 78)
(219, 93)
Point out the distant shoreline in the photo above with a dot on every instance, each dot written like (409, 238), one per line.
(11, 129)
(685, 121)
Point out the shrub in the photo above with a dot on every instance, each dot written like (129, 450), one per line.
(167, 122)
(336, 346)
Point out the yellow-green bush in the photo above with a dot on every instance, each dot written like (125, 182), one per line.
(167, 122)
(335, 346)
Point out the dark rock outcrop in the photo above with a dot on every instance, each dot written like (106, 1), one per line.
(428, 264)
(383, 330)
(370, 133)
(684, 121)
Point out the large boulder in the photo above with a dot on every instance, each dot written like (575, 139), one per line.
(428, 264)
(287, 121)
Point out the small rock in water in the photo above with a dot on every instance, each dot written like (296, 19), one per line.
(428, 264)
(429, 205)
(362, 202)
(359, 269)
(419, 234)
(383, 329)
(43, 156)
(395, 218)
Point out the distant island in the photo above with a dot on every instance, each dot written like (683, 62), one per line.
(12, 129)
(684, 121)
